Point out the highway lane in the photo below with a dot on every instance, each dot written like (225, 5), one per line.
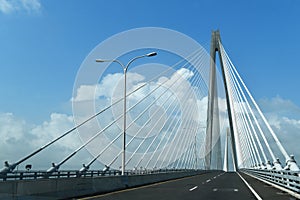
(213, 185)
(267, 191)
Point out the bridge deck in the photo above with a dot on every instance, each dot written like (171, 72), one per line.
(214, 185)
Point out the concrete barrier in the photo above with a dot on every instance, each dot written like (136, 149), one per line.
(61, 188)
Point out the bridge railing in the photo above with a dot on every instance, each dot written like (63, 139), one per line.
(31, 175)
(287, 179)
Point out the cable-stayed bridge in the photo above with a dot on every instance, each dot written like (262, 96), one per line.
(185, 121)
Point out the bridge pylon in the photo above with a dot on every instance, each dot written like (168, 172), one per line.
(213, 129)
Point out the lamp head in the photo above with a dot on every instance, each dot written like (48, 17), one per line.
(151, 54)
(99, 60)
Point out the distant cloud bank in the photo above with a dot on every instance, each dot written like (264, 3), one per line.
(19, 138)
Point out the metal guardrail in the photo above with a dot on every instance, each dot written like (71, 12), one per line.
(31, 175)
(284, 178)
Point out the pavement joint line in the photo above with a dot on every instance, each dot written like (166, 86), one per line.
(139, 187)
(193, 188)
(249, 186)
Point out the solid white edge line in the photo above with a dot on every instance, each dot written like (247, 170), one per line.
(251, 189)
(294, 194)
(193, 188)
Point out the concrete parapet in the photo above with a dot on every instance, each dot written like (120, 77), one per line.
(60, 188)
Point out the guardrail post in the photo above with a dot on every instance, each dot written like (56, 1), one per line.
(288, 179)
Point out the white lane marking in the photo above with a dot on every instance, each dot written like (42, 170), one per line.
(193, 188)
(251, 189)
(207, 181)
(226, 189)
(294, 194)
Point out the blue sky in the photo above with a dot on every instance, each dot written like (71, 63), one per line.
(42, 49)
(43, 44)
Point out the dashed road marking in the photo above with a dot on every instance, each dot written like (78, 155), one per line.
(225, 190)
(208, 180)
(193, 188)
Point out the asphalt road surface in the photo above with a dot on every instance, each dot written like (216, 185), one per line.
(213, 185)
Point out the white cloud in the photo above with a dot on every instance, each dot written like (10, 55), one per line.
(283, 107)
(6, 7)
(11, 128)
(185, 73)
(31, 5)
(48, 130)
(10, 6)
(111, 84)
(111, 88)
(85, 93)
(19, 138)
(292, 122)
(284, 117)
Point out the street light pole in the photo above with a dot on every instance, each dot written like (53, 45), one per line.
(124, 123)
(124, 107)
